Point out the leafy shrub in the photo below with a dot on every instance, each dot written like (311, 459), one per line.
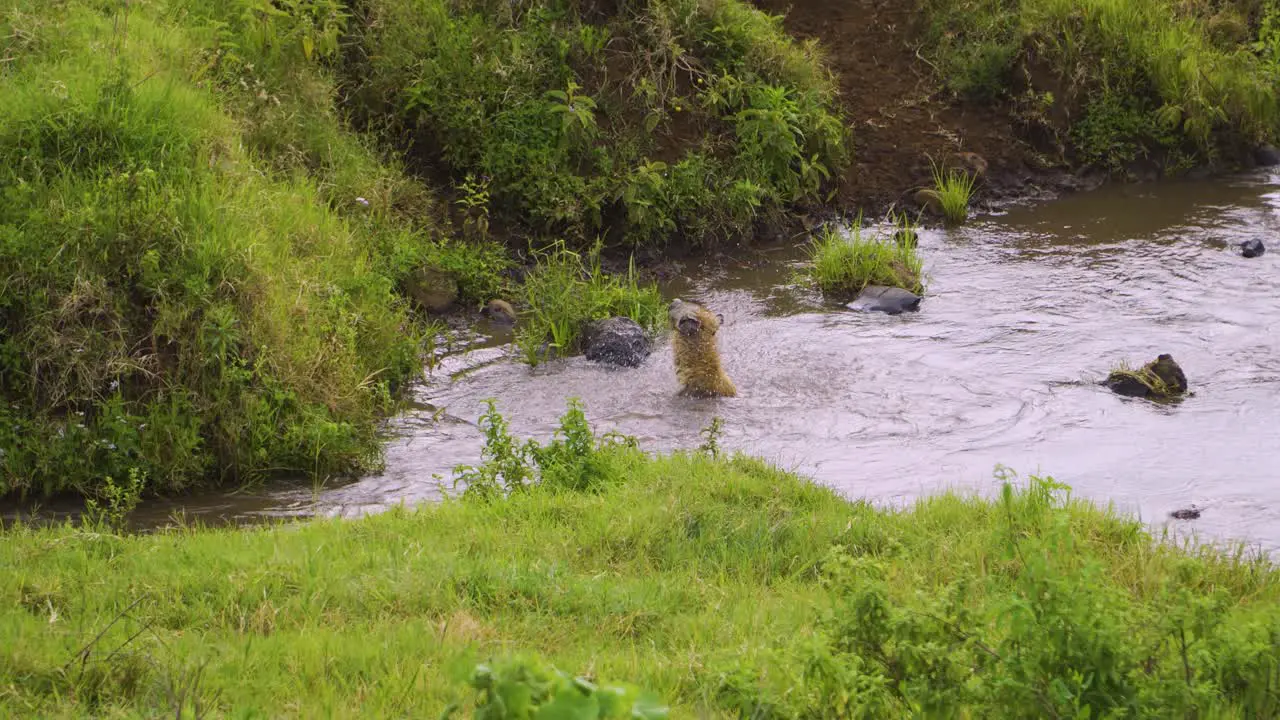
(1134, 78)
(520, 688)
(571, 461)
(710, 95)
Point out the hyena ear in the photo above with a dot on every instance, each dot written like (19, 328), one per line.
(719, 317)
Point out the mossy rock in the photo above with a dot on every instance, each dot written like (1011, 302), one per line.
(1160, 379)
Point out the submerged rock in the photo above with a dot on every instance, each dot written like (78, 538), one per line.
(890, 300)
(1160, 378)
(1189, 513)
(1267, 156)
(500, 312)
(616, 341)
(434, 290)
(1252, 248)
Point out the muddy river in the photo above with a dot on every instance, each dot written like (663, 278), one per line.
(1026, 309)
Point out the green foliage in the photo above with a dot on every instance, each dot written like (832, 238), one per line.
(954, 188)
(643, 138)
(520, 688)
(845, 265)
(1173, 82)
(725, 586)
(1061, 640)
(118, 500)
(571, 461)
(562, 295)
(201, 263)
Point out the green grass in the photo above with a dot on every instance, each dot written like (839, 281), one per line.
(721, 585)
(954, 188)
(845, 264)
(673, 118)
(1119, 81)
(203, 267)
(563, 293)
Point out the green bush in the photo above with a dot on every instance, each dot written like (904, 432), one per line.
(520, 687)
(1174, 82)
(184, 300)
(634, 120)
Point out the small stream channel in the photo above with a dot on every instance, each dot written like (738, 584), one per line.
(1025, 311)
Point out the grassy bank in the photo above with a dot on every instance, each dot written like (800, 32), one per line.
(723, 586)
(1120, 84)
(211, 277)
(642, 121)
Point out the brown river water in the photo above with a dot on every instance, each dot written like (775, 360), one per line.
(1026, 309)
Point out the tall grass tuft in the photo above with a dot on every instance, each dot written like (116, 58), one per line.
(845, 264)
(955, 189)
(564, 293)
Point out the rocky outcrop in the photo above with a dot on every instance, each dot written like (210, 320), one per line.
(1252, 248)
(890, 300)
(616, 341)
(1161, 378)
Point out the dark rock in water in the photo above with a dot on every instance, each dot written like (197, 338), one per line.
(906, 237)
(1252, 248)
(891, 300)
(1127, 385)
(1170, 373)
(500, 312)
(1267, 156)
(616, 341)
(1160, 378)
(1190, 513)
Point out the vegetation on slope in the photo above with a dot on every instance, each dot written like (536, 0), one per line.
(200, 265)
(207, 270)
(646, 120)
(1112, 82)
(724, 586)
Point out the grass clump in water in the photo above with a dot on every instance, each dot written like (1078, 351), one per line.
(1113, 82)
(724, 586)
(954, 188)
(845, 264)
(562, 294)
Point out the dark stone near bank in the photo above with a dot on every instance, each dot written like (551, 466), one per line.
(616, 341)
(1267, 156)
(1252, 248)
(890, 300)
(1190, 513)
